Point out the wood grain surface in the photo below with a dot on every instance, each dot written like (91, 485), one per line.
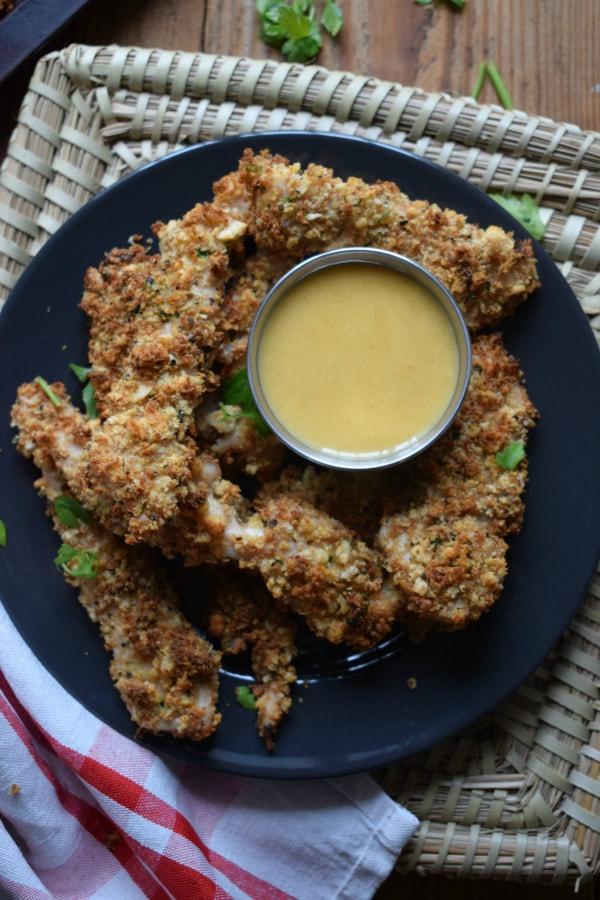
(545, 50)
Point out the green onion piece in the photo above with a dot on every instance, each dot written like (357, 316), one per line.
(78, 563)
(2, 534)
(499, 86)
(245, 697)
(480, 79)
(511, 455)
(70, 512)
(48, 390)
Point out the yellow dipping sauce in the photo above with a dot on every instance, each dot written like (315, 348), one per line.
(358, 358)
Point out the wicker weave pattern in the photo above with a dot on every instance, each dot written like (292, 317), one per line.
(517, 796)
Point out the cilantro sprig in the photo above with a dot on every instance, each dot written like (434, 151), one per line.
(70, 512)
(82, 373)
(78, 563)
(525, 210)
(2, 534)
(295, 27)
(236, 392)
(511, 455)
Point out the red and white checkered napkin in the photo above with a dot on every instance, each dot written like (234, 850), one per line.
(85, 812)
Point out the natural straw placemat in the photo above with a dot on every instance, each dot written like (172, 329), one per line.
(518, 795)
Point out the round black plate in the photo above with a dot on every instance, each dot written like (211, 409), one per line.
(354, 713)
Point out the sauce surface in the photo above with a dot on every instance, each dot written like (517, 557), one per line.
(358, 358)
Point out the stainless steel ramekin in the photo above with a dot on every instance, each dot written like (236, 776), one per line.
(391, 455)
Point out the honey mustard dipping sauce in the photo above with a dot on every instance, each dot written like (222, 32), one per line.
(357, 359)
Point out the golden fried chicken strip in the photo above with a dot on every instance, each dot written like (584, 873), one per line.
(446, 553)
(236, 442)
(242, 615)
(300, 212)
(310, 562)
(165, 673)
(248, 288)
(154, 333)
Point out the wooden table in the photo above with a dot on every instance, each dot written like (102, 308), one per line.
(545, 50)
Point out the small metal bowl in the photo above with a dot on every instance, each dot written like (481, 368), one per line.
(379, 458)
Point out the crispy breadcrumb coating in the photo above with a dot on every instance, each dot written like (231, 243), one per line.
(300, 212)
(166, 673)
(164, 310)
(352, 553)
(446, 553)
(236, 442)
(243, 615)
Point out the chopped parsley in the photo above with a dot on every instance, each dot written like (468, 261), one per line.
(78, 563)
(2, 534)
(48, 391)
(82, 373)
(236, 392)
(511, 455)
(295, 27)
(525, 210)
(245, 697)
(201, 252)
(70, 511)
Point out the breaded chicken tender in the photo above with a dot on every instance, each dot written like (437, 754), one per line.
(446, 553)
(235, 441)
(165, 673)
(300, 212)
(173, 465)
(248, 288)
(243, 615)
(164, 310)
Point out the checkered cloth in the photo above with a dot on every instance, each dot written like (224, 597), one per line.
(85, 812)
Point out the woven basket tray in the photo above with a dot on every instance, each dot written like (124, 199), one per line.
(518, 795)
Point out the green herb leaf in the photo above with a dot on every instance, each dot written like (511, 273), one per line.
(81, 372)
(245, 697)
(2, 534)
(294, 27)
(88, 395)
(70, 512)
(89, 400)
(200, 251)
(511, 456)
(332, 18)
(525, 210)
(78, 563)
(48, 391)
(236, 392)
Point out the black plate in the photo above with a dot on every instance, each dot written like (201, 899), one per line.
(356, 713)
